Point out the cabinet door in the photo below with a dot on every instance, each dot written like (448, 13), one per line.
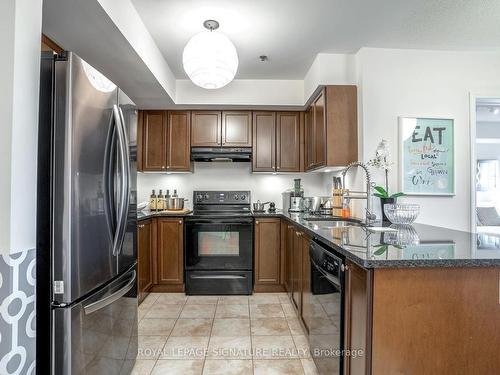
(297, 270)
(179, 140)
(290, 233)
(144, 257)
(309, 138)
(357, 326)
(306, 312)
(267, 253)
(237, 129)
(319, 131)
(288, 142)
(170, 251)
(264, 142)
(154, 141)
(206, 129)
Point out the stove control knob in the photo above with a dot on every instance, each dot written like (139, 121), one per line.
(199, 197)
(243, 197)
(206, 196)
(236, 197)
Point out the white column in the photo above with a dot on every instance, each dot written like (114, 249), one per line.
(20, 31)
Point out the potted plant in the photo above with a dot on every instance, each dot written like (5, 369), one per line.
(382, 161)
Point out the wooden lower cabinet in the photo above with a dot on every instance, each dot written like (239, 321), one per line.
(305, 313)
(297, 269)
(146, 242)
(357, 318)
(170, 255)
(290, 233)
(267, 247)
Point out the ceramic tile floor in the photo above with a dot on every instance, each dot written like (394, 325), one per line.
(226, 335)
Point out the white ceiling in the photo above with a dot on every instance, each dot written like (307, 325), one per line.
(292, 32)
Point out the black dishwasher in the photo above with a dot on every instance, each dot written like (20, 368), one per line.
(324, 310)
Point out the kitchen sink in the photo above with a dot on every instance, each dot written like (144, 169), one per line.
(332, 224)
(333, 219)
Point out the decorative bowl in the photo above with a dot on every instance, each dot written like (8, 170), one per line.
(402, 213)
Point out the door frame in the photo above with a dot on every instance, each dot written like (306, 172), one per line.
(473, 98)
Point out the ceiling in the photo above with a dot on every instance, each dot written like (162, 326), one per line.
(292, 32)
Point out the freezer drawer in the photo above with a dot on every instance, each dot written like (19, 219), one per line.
(99, 335)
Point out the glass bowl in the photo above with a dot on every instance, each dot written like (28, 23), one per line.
(402, 213)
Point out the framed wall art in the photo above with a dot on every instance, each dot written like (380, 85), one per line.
(426, 156)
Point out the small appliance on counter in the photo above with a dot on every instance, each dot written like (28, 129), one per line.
(272, 207)
(293, 200)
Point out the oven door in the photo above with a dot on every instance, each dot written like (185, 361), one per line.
(218, 244)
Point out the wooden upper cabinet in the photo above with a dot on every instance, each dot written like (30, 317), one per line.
(309, 138)
(179, 139)
(170, 249)
(342, 125)
(145, 245)
(267, 254)
(264, 142)
(331, 128)
(288, 142)
(206, 129)
(154, 140)
(319, 129)
(237, 129)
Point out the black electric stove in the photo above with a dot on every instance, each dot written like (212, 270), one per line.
(218, 240)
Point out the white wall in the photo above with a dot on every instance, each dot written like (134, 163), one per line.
(126, 18)
(20, 28)
(425, 83)
(330, 69)
(228, 176)
(258, 92)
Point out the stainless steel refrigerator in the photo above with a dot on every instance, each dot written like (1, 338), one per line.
(86, 250)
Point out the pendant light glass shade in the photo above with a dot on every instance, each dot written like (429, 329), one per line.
(210, 60)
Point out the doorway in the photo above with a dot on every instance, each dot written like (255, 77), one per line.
(485, 164)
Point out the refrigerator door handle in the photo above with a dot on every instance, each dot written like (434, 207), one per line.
(127, 173)
(98, 305)
(124, 196)
(108, 180)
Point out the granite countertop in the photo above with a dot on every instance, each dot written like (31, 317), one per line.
(146, 214)
(413, 246)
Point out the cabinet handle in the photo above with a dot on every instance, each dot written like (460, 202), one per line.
(180, 221)
(168, 166)
(257, 222)
(162, 167)
(278, 167)
(141, 225)
(344, 267)
(298, 234)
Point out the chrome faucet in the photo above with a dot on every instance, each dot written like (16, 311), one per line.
(370, 217)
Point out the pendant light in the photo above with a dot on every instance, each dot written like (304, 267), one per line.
(209, 58)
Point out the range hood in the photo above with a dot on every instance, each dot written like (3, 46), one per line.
(221, 154)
